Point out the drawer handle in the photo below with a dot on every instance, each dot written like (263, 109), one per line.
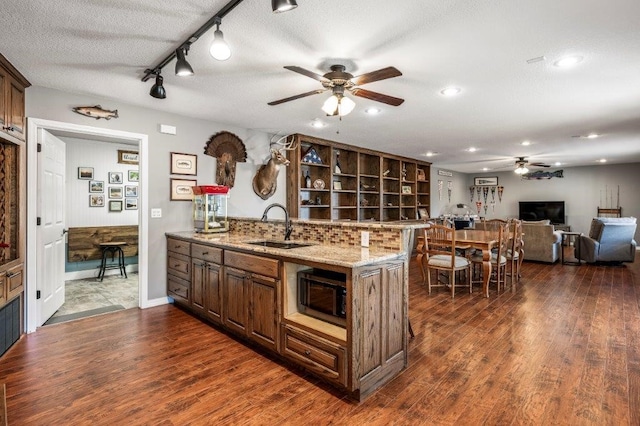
(177, 265)
(8, 128)
(11, 275)
(307, 352)
(204, 253)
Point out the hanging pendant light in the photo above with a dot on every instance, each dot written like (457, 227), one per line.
(157, 90)
(183, 68)
(219, 49)
(279, 6)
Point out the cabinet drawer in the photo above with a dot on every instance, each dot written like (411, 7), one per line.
(178, 288)
(178, 246)
(14, 279)
(208, 253)
(179, 265)
(251, 263)
(318, 355)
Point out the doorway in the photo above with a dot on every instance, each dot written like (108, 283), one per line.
(36, 129)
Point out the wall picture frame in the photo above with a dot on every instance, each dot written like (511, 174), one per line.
(96, 200)
(115, 192)
(96, 186)
(181, 189)
(131, 204)
(184, 164)
(115, 205)
(337, 185)
(115, 177)
(85, 173)
(406, 189)
(486, 181)
(133, 176)
(423, 213)
(131, 191)
(128, 157)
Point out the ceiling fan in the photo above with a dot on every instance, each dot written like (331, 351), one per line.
(521, 165)
(338, 80)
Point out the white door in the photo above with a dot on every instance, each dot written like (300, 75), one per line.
(50, 239)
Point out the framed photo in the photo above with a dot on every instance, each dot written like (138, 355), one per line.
(337, 185)
(128, 157)
(184, 164)
(115, 177)
(406, 189)
(131, 204)
(134, 176)
(181, 189)
(130, 191)
(85, 173)
(115, 206)
(96, 200)
(422, 213)
(96, 186)
(421, 175)
(115, 192)
(486, 181)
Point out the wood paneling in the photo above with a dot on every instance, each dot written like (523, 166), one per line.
(561, 348)
(84, 242)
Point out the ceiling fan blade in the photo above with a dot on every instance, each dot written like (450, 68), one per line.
(540, 165)
(307, 73)
(375, 96)
(372, 76)
(301, 95)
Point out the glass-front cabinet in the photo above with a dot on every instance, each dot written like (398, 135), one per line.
(210, 208)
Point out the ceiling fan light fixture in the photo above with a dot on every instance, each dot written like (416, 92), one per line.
(338, 105)
(183, 68)
(521, 169)
(219, 49)
(157, 90)
(279, 6)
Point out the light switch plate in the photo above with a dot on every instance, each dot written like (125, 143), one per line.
(156, 213)
(364, 238)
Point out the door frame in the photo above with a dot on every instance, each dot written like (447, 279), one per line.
(36, 125)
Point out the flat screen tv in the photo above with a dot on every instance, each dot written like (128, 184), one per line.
(541, 210)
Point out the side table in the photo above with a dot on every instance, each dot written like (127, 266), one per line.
(568, 239)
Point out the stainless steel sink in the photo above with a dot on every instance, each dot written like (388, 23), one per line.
(279, 244)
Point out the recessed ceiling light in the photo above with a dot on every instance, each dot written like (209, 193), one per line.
(557, 163)
(373, 111)
(430, 154)
(472, 149)
(525, 143)
(317, 124)
(602, 160)
(568, 61)
(592, 135)
(450, 91)
(485, 169)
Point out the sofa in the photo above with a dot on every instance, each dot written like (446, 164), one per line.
(610, 239)
(542, 242)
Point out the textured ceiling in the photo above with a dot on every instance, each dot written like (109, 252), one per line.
(101, 48)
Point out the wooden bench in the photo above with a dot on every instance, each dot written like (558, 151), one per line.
(84, 242)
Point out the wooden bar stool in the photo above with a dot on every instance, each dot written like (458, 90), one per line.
(113, 248)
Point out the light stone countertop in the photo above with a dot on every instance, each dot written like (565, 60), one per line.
(344, 256)
(399, 224)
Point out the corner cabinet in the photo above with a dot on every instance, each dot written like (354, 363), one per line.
(12, 202)
(330, 180)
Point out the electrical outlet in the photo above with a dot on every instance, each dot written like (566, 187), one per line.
(364, 238)
(156, 213)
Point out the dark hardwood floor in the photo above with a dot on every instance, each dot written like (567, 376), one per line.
(561, 348)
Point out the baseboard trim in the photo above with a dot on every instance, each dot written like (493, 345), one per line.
(155, 302)
(93, 273)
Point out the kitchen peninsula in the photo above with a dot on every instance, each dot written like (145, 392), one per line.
(252, 291)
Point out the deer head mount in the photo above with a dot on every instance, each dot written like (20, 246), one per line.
(228, 149)
(265, 180)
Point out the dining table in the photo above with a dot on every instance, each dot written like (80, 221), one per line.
(483, 240)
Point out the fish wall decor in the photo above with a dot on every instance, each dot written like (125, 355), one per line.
(539, 174)
(96, 112)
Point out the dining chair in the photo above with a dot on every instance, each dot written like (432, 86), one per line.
(440, 256)
(498, 254)
(515, 251)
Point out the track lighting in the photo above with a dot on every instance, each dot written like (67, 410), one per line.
(157, 90)
(183, 68)
(279, 6)
(219, 48)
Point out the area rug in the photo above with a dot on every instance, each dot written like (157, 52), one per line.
(83, 314)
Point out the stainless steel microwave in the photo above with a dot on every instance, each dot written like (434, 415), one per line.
(323, 295)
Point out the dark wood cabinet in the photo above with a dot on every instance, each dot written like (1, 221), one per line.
(263, 315)
(206, 294)
(236, 312)
(351, 183)
(12, 100)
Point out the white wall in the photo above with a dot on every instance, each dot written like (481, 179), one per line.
(440, 203)
(103, 158)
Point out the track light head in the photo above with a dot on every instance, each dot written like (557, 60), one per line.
(219, 49)
(279, 6)
(157, 90)
(183, 68)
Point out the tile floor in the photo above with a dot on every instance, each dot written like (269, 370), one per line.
(91, 295)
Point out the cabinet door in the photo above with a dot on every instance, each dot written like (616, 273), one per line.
(4, 76)
(236, 303)
(263, 314)
(213, 292)
(15, 109)
(198, 279)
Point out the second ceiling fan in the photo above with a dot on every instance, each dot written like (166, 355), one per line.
(338, 80)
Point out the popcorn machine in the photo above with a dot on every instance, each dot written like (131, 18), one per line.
(210, 208)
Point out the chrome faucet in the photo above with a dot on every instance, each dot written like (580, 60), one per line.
(287, 222)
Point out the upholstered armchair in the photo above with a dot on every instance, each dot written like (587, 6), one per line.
(610, 240)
